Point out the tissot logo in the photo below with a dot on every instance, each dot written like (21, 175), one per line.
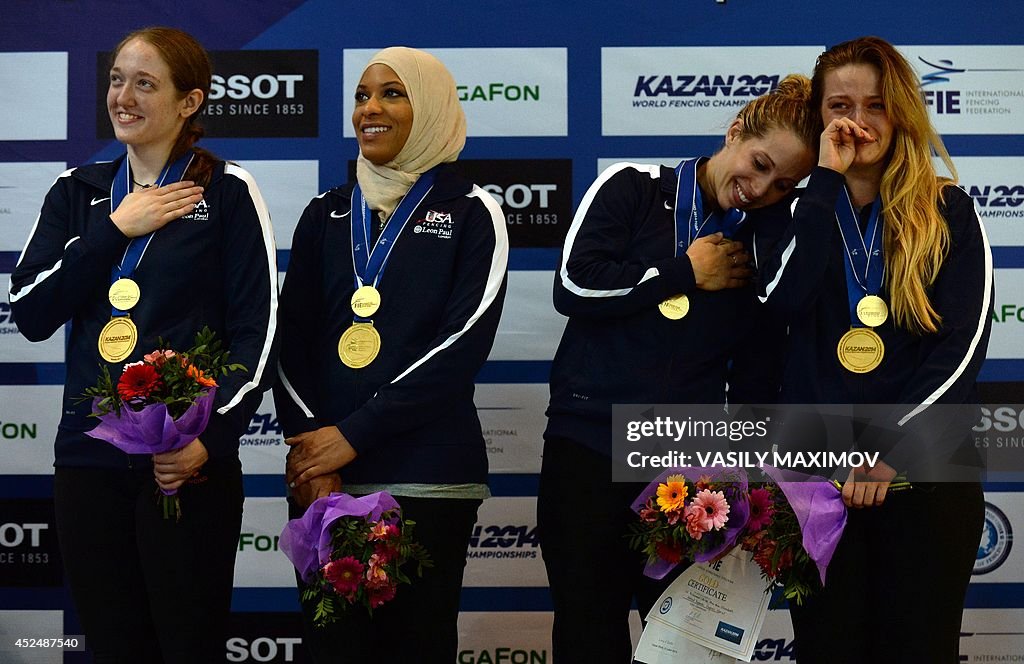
(252, 94)
(264, 649)
(28, 544)
(534, 194)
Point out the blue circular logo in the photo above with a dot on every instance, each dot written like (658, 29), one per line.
(996, 541)
(666, 606)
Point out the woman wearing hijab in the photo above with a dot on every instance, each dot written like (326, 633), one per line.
(906, 324)
(388, 311)
(661, 310)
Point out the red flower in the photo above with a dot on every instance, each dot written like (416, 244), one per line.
(382, 594)
(138, 382)
(761, 510)
(344, 574)
(669, 552)
(763, 556)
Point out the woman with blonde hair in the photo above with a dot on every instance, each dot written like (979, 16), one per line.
(887, 276)
(655, 280)
(389, 309)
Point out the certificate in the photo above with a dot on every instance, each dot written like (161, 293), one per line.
(713, 612)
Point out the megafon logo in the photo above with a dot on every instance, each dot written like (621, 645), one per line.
(498, 92)
(503, 656)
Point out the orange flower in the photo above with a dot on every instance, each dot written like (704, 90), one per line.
(672, 493)
(200, 377)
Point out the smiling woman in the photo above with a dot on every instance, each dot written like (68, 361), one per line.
(381, 346)
(656, 281)
(187, 237)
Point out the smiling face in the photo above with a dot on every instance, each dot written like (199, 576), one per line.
(383, 114)
(146, 110)
(855, 91)
(756, 171)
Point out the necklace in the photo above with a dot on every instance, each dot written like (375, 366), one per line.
(139, 184)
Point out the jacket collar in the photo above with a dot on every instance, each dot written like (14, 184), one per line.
(100, 175)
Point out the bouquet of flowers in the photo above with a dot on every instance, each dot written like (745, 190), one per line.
(351, 551)
(696, 514)
(160, 403)
(791, 525)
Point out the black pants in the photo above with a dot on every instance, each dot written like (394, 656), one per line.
(582, 523)
(896, 585)
(150, 591)
(421, 623)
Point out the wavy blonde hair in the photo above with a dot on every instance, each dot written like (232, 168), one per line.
(915, 235)
(786, 107)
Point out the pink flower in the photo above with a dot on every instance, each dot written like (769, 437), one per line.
(378, 532)
(649, 512)
(376, 575)
(697, 521)
(385, 593)
(761, 510)
(157, 358)
(384, 552)
(344, 574)
(714, 505)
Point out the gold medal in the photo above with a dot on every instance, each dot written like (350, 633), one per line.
(365, 301)
(117, 339)
(123, 294)
(675, 307)
(359, 345)
(872, 310)
(860, 350)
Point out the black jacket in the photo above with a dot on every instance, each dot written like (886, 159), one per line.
(215, 267)
(410, 413)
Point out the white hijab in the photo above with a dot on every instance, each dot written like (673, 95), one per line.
(438, 131)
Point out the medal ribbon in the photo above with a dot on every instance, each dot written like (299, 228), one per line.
(137, 247)
(864, 262)
(694, 223)
(368, 262)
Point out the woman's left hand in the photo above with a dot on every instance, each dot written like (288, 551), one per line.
(867, 486)
(172, 469)
(316, 453)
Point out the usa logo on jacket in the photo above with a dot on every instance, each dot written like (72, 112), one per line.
(435, 223)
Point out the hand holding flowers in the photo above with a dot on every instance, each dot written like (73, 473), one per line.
(162, 404)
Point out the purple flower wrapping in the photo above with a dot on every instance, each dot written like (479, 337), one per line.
(307, 540)
(819, 509)
(152, 430)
